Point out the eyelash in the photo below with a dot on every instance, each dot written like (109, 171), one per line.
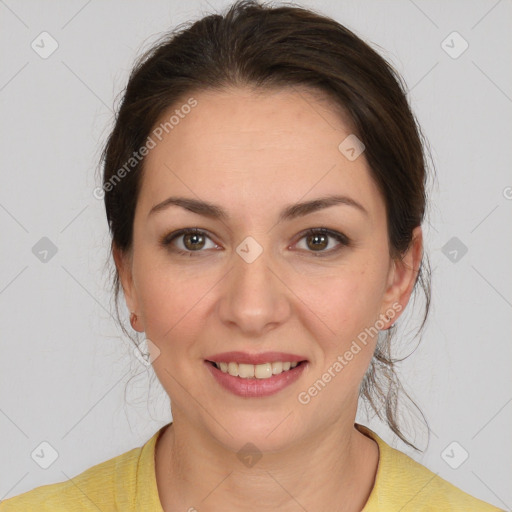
(344, 241)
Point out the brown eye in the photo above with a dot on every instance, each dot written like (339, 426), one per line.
(188, 241)
(318, 239)
(193, 241)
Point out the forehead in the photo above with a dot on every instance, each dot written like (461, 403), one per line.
(238, 146)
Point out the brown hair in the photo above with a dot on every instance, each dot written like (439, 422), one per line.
(267, 47)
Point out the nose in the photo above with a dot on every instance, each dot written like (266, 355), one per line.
(254, 298)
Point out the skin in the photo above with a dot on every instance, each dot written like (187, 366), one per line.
(253, 154)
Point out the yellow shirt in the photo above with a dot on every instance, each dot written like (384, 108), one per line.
(128, 483)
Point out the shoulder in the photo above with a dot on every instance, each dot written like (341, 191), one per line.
(101, 487)
(426, 490)
(401, 483)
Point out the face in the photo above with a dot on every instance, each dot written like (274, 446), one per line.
(255, 280)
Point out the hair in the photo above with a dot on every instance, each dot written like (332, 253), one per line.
(265, 48)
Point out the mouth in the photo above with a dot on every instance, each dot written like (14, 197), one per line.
(255, 380)
(255, 371)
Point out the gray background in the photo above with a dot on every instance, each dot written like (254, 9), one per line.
(64, 365)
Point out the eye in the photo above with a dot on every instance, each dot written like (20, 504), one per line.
(317, 239)
(187, 241)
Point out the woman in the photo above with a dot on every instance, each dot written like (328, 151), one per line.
(264, 185)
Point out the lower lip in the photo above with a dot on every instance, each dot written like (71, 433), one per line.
(252, 388)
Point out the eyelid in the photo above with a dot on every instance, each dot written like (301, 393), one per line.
(169, 238)
(341, 238)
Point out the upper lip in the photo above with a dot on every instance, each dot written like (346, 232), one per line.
(247, 358)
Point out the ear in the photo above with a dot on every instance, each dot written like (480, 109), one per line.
(403, 274)
(123, 263)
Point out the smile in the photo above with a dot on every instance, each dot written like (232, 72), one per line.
(255, 381)
(258, 371)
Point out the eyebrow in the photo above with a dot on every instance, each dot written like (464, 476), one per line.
(288, 213)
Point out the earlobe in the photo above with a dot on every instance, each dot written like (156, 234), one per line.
(404, 273)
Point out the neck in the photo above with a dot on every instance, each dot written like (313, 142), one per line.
(333, 470)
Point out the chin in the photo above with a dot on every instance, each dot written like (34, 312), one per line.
(267, 429)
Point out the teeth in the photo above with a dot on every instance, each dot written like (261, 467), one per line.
(258, 371)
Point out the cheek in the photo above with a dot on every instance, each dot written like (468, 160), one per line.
(174, 320)
(332, 306)
(339, 303)
(348, 304)
(172, 301)
(347, 300)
